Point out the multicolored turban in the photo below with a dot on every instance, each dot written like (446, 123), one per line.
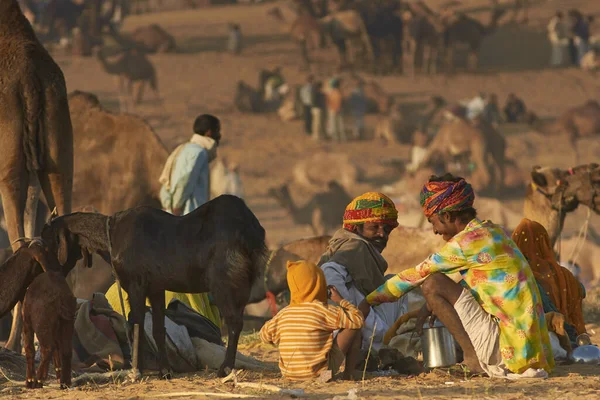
(370, 207)
(437, 197)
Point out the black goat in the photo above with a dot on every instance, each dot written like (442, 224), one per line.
(49, 312)
(219, 247)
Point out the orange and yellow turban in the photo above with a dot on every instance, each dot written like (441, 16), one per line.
(370, 207)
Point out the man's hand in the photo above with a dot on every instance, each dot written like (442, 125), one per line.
(177, 211)
(424, 312)
(334, 294)
(365, 308)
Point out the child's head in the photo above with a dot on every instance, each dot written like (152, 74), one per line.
(306, 282)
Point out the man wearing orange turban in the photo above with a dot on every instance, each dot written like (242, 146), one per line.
(353, 262)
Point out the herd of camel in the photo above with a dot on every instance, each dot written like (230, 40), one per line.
(374, 28)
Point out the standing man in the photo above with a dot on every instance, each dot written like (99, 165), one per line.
(185, 177)
(306, 97)
(186, 186)
(353, 262)
(358, 105)
(335, 122)
(479, 285)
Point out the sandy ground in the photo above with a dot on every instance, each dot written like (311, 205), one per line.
(201, 78)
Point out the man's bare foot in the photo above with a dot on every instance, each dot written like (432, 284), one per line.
(472, 364)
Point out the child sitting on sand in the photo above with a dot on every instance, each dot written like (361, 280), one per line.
(304, 330)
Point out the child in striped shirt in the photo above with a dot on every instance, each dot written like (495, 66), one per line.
(303, 331)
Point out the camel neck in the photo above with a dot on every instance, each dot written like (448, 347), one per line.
(538, 208)
(15, 278)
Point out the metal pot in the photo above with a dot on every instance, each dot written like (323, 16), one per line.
(438, 346)
(586, 354)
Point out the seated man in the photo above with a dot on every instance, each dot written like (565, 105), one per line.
(479, 285)
(353, 261)
(514, 110)
(303, 331)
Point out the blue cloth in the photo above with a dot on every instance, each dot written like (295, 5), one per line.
(550, 307)
(358, 102)
(190, 186)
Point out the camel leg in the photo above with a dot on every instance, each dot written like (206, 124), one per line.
(30, 213)
(56, 179)
(138, 91)
(473, 61)
(449, 56)
(120, 83)
(317, 222)
(418, 54)
(304, 54)
(157, 301)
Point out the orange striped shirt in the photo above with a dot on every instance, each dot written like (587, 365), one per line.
(304, 335)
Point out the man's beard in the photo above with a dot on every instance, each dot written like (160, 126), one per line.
(378, 243)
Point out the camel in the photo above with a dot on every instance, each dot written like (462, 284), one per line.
(342, 26)
(483, 146)
(36, 135)
(315, 172)
(324, 212)
(576, 122)
(154, 39)
(400, 126)
(426, 33)
(461, 28)
(132, 71)
(304, 30)
(554, 192)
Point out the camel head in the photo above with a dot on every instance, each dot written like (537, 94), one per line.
(566, 189)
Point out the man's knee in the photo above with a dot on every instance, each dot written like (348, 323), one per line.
(433, 283)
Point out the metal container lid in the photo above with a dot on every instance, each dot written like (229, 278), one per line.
(436, 324)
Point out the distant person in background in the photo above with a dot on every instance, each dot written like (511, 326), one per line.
(306, 97)
(358, 107)
(335, 122)
(581, 34)
(318, 112)
(234, 40)
(514, 110)
(491, 112)
(558, 34)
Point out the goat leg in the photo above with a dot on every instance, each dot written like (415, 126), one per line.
(137, 304)
(65, 351)
(234, 323)
(56, 360)
(42, 372)
(29, 353)
(157, 301)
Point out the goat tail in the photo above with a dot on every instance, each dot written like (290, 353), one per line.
(32, 99)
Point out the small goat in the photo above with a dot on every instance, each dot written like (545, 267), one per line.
(219, 247)
(47, 301)
(49, 312)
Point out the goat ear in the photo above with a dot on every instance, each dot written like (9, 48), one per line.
(38, 255)
(63, 246)
(87, 257)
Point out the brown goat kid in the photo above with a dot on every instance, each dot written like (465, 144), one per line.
(49, 312)
(217, 248)
(48, 308)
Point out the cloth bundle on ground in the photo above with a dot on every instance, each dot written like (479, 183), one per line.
(199, 302)
(193, 342)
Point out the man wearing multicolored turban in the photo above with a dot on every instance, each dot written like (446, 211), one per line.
(479, 285)
(353, 262)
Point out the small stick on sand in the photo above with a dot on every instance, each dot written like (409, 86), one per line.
(369, 353)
